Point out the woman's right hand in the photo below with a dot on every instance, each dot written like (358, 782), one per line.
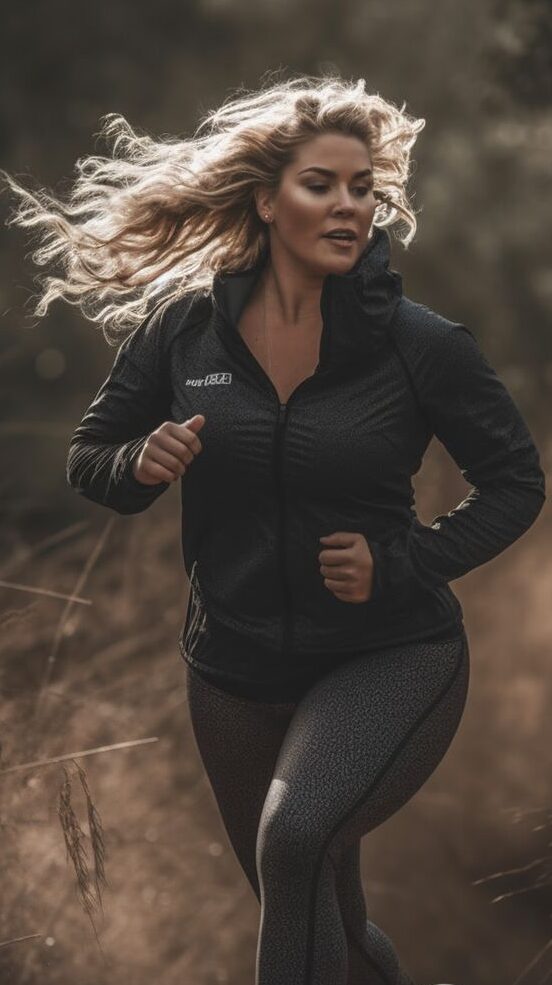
(168, 451)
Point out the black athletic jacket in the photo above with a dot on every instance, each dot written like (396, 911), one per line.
(273, 478)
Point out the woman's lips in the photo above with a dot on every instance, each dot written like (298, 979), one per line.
(343, 243)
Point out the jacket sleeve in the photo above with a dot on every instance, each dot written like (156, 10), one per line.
(133, 400)
(472, 413)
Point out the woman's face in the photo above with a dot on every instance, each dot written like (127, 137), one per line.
(329, 185)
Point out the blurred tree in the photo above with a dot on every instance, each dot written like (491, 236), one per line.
(521, 51)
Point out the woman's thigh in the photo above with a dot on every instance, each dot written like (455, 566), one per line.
(238, 740)
(360, 743)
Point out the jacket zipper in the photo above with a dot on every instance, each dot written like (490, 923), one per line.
(279, 459)
(287, 633)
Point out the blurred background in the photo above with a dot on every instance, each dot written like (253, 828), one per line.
(91, 603)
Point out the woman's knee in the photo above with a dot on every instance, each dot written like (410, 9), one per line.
(288, 841)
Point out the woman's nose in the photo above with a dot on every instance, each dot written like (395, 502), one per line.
(345, 202)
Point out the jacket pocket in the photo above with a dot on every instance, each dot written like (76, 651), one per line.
(195, 622)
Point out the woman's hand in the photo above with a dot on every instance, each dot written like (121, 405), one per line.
(347, 566)
(168, 451)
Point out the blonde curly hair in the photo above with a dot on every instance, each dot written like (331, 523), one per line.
(159, 218)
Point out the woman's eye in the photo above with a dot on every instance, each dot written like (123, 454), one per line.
(317, 188)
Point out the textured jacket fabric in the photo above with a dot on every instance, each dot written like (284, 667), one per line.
(273, 478)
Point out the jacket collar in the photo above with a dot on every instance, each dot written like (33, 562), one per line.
(356, 307)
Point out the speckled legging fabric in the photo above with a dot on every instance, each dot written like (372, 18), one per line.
(298, 784)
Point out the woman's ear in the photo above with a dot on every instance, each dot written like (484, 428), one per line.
(263, 203)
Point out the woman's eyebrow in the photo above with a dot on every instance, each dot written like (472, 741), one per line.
(332, 174)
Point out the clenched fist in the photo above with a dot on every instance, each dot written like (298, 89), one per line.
(168, 451)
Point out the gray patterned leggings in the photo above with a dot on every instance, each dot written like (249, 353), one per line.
(298, 785)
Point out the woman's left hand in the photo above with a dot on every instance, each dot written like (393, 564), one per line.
(347, 566)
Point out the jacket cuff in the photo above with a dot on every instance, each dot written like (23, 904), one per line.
(127, 481)
(394, 578)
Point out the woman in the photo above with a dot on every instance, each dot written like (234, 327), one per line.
(285, 377)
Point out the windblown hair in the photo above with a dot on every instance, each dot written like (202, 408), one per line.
(159, 218)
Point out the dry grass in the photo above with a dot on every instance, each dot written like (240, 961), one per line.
(124, 870)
